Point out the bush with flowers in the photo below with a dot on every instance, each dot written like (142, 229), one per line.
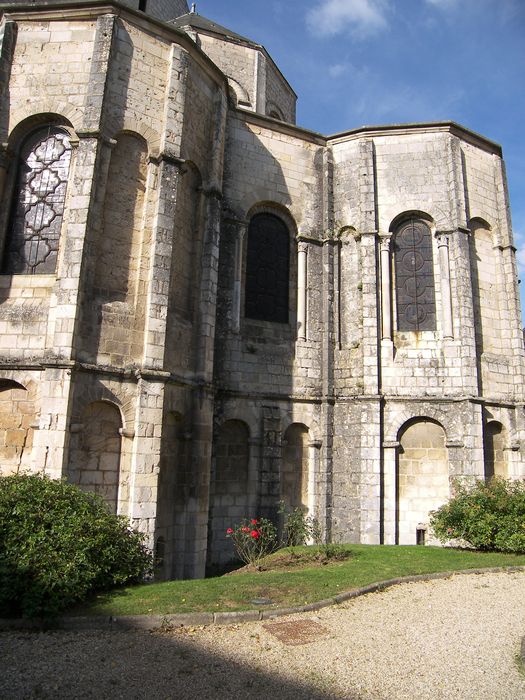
(253, 539)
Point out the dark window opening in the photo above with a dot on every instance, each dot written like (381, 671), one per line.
(420, 535)
(267, 269)
(142, 5)
(414, 274)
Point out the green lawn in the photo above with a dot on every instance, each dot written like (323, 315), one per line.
(368, 564)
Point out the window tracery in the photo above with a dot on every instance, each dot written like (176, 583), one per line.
(414, 277)
(38, 203)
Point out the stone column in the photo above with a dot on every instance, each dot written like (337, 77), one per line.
(446, 294)
(4, 163)
(370, 299)
(259, 83)
(302, 253)
(5, 160)
(386, 287)
(390, 449)
(8, 34)
(237, 280)
(314, 453)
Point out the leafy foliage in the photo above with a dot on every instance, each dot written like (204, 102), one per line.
(299, 528)
(488, 516)
(58, 543)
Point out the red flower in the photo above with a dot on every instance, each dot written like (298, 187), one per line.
(245, 529)
(255, 534)
(229, 531)
(253, 521)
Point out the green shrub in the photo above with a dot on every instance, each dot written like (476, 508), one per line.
(298, 527)
(58, 544)
(488, 516)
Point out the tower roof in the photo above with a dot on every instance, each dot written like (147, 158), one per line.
(198, 22)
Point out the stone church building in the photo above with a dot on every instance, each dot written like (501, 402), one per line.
(206, 309)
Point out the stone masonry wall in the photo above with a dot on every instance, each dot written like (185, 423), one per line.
(254, 79)
(279, 95)
(279, 174)
(238, 63)
(144, 378)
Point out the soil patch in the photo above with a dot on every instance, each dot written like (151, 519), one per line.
(293, 561)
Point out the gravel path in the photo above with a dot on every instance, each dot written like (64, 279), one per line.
(456, 639)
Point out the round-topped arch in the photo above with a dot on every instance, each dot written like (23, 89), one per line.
(422, 478)
(414, 284)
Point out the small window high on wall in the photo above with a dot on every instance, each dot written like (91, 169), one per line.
(38, 203)
(267, 269)
(414, 277)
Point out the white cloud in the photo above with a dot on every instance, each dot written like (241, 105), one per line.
(360, 17)
(442, 4)
(338, 69)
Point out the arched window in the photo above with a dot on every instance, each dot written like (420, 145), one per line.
(414, 271)
(267, 269)
(38, 204)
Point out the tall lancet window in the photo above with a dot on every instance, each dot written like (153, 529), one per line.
(267, 269)
(414, 277)
(38, 204)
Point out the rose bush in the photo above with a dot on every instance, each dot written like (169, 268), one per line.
(253, 539)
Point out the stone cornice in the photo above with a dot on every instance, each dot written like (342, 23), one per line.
(425, 127)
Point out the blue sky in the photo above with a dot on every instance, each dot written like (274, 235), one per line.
(356, 62)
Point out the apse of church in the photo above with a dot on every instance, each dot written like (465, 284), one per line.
(207, 310)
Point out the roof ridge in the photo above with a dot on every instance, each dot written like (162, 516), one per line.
(197, 21)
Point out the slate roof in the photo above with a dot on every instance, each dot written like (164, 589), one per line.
(195, 21)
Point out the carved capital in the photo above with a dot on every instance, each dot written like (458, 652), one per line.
(384, 242)
(443, 238)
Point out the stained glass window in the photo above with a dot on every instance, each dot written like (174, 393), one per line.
(414, 271)
(267, 269)
(38, 209)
